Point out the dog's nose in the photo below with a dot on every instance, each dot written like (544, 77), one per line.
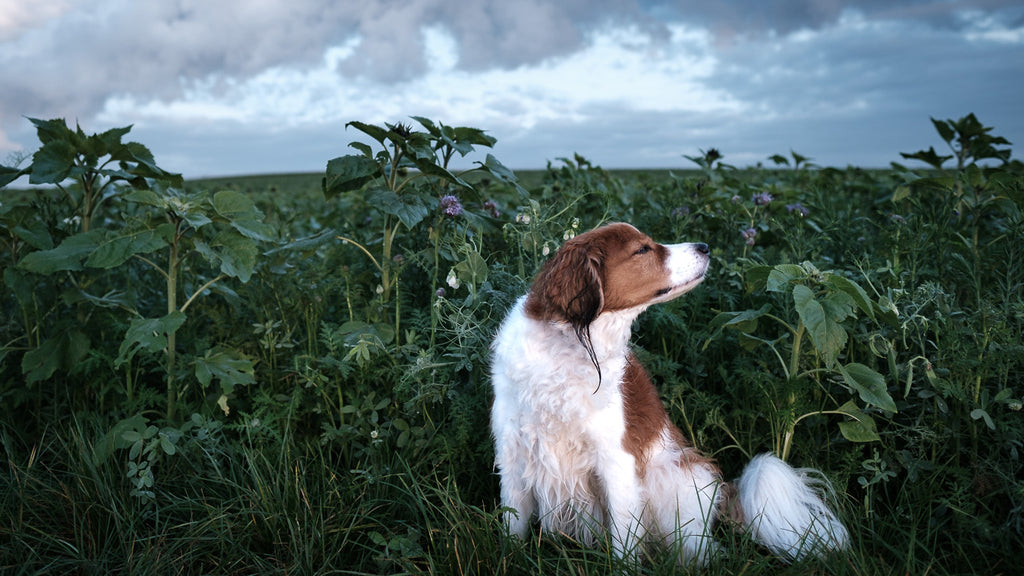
(702, 248)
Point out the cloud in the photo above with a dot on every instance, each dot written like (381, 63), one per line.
(700, 71)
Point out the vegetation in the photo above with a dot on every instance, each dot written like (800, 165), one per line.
(289, 374)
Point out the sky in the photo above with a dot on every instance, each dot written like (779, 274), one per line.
(232, 87)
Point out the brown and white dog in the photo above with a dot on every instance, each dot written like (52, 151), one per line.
(582, 440)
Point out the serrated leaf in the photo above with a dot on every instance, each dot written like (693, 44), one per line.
(148, 334)
(237, 254)
(348, 173)
(9, 174)
(34, 232)
(376, 132)
(782, 276)
(229, 366)
(828, 336)
(241, 212)
(67, 256)
(946, 132)
(503, 174)
(117, 248)
(49, 130)
(53, 163)
(854, 291)
(409, 208)
(755, 278)
(62, 352)
(869, 385)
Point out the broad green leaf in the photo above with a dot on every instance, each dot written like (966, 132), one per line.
(237, 254)
(756, 278)
(111, 139)
(929, 157)
(241, 212)
(31, 229)
(148, 334)
(473, 269)
(376, 132)
(503, 174)
(425, 163)
(232, 204)
(348, 173)
(408, 208)
(838, 306)
(870, 385)
(859, 430)
(305, 244)
(745, 322)
(781, 276)
(862, 428)
(828, 336)
(851, 288)
(62, 352)
(147, 197)
(945, 129)
(9, 174)
(53, 163)
(229, 366)
(67, 256)
(117, 248)
(50, 130)
(21, 284)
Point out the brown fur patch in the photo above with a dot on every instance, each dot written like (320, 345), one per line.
(645, 415)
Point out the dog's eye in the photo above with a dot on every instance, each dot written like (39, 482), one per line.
(642, 250)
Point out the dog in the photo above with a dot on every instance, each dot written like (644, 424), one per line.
(582, 440)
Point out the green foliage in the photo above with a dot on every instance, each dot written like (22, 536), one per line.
(290, 374)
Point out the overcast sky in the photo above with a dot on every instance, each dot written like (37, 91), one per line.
(224, 87)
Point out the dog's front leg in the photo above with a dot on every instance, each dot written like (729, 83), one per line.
(622, 493)
(616, 469)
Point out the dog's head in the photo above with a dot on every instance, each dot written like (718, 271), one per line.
(615, 267)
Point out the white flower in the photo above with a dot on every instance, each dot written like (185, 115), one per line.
(452, 279)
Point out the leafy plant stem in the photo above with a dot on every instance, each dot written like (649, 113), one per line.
(794, 359)
(172, 297)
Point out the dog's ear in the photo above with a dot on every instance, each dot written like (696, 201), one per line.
(572, 285)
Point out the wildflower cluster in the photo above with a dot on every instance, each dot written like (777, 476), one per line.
(450, 206)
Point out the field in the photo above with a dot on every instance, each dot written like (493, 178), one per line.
(288, 374)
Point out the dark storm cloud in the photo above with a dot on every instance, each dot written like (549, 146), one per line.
(158, 49)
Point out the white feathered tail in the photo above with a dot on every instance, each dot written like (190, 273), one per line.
(784, 509)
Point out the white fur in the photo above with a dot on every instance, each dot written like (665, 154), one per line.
(559, 446)
(783, 510)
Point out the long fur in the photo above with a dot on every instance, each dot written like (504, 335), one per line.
(582, 441)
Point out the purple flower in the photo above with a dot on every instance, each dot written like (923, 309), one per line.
(749, 234)
(439, 293)
(762, 199)
(681, 212)
(450, 206)
(798, 208)
(492, 208)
